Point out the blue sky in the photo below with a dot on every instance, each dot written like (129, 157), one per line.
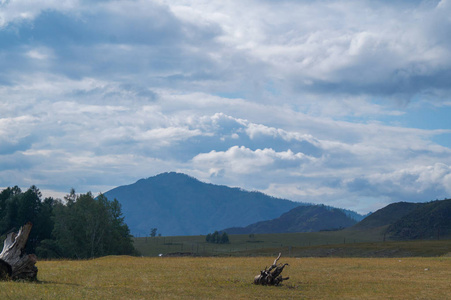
(345, 103)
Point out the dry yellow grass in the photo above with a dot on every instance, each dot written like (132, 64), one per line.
(231, 278)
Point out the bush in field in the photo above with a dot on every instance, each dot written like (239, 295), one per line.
(217, 238)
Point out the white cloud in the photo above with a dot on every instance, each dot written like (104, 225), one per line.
(40, 54)
(416, 180)
(26, 10)
(342, 47)
(242, 160)
(130, 138)
(306, 100)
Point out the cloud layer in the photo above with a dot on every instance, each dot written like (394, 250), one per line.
(313, 101)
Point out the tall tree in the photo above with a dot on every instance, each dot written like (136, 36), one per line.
(81, 226)
(8, 208)
(91, 227)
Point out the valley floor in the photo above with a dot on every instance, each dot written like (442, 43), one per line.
(122, 277)
(314, 244)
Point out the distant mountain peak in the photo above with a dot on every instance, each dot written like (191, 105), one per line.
(169, 176)
(179, 204)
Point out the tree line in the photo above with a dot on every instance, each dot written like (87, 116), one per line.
(78, 227)
(217, 238)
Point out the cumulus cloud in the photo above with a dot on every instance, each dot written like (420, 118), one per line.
(310, 101)
(242, 160)
(378, 49)
(24, 10)
(415, 182)
(79, 142)
(360, 50)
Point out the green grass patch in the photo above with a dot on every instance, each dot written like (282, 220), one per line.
(343, 243)
(153, 246)
(122, 277)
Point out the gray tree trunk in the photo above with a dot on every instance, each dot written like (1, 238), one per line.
(14, 262)
(272, 275)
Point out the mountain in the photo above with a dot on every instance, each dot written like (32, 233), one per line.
(386, 215)
(354, 215)
(177, 204)
(300, 219)
(406, 221)
(429, 220)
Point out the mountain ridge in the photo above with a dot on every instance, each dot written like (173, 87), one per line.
(178, 204)
(387, 215)
(410, 220)
(300, 219)
(429, 220)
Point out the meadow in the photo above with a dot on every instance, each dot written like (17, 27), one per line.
(123, 277)
(153, 246)
(343, 243)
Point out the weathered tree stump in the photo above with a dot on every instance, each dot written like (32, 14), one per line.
(267, 277)
(15, 264)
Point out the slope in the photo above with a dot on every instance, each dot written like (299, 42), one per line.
(300, 219)
(430, 220)
(178, 204)
(386, 215)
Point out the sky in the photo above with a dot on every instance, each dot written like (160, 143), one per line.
(343, 103)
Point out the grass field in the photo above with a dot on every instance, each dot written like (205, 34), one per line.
(196, 244)
(330, 243)
(231, 278)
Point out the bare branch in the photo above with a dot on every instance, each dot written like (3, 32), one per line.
(267, 277)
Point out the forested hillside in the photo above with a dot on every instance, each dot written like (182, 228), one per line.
(178, 204)
(430, 220)
(78, 227)
(387, 215)
(408, 221)
(300, 219)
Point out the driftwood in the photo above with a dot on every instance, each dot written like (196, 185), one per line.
(15, 264)
(267, 277)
